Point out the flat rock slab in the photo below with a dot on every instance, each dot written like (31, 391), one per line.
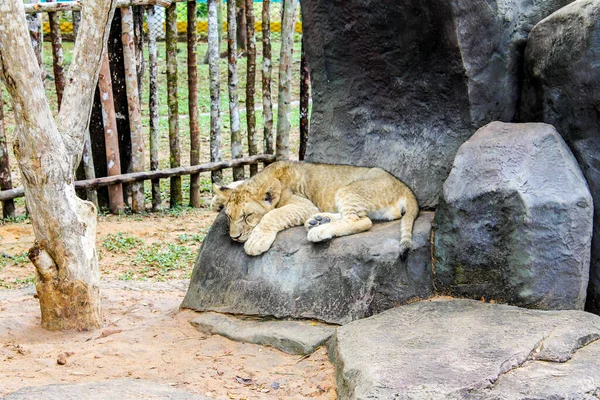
(466, 349)
(121, 389)
(344, 279)
(293, 337)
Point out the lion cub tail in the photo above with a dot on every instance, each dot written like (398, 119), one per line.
(407, 222)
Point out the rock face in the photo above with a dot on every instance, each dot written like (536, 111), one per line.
(339, 281)
(122, 389)
(402, 84)
(514, 222)
(465, 349)
(562, 88)
(293, 337)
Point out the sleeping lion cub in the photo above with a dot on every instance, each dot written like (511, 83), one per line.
(330, 200)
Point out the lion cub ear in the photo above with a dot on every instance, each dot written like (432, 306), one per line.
(271, 192)
(220, 198)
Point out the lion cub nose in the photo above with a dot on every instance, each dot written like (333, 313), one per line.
(236, 237)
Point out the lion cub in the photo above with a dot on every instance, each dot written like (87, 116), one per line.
(329, 200)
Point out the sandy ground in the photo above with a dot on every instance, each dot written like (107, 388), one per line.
(145, 336)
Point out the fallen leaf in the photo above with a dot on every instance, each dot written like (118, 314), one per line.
(108, 332)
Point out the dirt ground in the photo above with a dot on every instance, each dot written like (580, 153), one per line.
(145, 263)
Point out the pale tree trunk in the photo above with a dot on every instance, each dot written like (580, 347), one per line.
(213, 72)
(251, 84)
(232, 79)
(48, 151)
(267, 71)
(176, 194)
(133, 106)
(153, 108)
(285, 79)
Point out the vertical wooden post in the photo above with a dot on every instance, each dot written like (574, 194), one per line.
(285, 79)
(8, 206)
(232, 79)
(153, 106)
(133, 106)
(176, 195)
(241, 24)
(304, 102)
(57, 54)
(138, 31)
(251, 84)
(192, 65)
(267, 70)
(34, 21)
(76, 22)
(213, 72)
(116, 203)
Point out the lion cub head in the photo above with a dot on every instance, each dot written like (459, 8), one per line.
(247, 204)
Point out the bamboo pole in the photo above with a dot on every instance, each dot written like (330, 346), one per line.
(192, 65)
(133, 106)
(8, 206)
(304, 101)
(232, 80)
(113, 163)
(153, 106)
(154, 175)
(285, 79)
(267, 71)
(57, 55)
(251, 84)
(213, 72)
(176, 195)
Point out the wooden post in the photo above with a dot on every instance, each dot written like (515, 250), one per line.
(192, 65)
(285, 79)
(37, 37)
(232, 79)
(138, 28)
(153, 106)
(116, 203)
(241, 24)
(57, 54)
(176, 197)
(213, 72)
(8, 206)
(76, 22)
(133, 105)
(251, 84)
(304, 102)
(267, 70)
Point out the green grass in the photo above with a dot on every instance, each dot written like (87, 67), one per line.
(121, 242)
(17, 259)
(159, 261)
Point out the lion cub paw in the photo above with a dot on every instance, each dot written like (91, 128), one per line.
(320, 219)
(319, 234)
(259, 242)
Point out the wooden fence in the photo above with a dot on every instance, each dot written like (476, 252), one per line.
(129, 27)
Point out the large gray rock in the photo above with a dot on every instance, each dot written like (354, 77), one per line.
(562, 88)
(122, 389)
(338, 281)
(514, 222)
(402, 84)
(293, 337)
(465, 349)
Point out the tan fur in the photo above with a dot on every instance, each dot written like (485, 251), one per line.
(287, 194)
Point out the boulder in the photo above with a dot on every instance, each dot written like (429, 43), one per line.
(122, 389)
(514, 223)
(402, 84)
(466, 349)
(562, 88)
(292, 337)
(338, 281)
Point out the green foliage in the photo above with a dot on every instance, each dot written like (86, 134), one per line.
(121, 242)
(159, 260)
(19, 259)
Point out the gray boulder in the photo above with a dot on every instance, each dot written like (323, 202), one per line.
(466, 349)
(514, 223)
(562, 88)
(338, 281)
(402, 84)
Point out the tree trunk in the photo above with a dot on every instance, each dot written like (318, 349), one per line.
(58, 64)
(48, 151)
(285, 79)
(232, 79)
(192, 65)
(153, 72)
(76, 22)
(175, 158)
(304, 102)
(241, 24)
(8, 207)
(133, 105)
(251, 84)
(267, 71)
(215, 87)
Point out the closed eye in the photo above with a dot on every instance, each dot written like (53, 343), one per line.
(247, 216)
